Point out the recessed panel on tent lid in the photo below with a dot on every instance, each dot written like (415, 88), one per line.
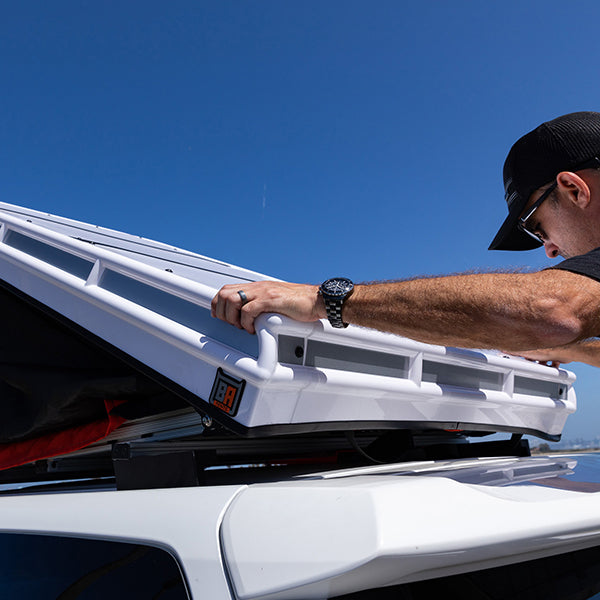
(151, 302)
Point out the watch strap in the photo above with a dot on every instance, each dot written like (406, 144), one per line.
(333, 307)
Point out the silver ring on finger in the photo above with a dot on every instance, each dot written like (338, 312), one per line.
(243, 296)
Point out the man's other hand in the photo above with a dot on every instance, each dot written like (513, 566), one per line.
(552, 357)
(586, 351)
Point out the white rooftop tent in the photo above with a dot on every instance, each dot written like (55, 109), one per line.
(149, 303)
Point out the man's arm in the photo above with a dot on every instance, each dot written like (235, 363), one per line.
(513, 311)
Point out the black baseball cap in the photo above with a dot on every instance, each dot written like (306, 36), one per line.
(563, 144)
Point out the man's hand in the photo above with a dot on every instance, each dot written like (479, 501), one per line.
(551, 357)
(297, 301)
(587, 351)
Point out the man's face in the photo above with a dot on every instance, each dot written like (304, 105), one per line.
(560, 224)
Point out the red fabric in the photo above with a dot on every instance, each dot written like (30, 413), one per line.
(54, 444)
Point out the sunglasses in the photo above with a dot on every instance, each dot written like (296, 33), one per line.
(523, 220)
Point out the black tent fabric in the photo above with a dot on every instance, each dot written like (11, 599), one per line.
(52, 378)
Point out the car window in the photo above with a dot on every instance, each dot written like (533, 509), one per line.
(40, 567)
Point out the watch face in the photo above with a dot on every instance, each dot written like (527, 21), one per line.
(337, 287)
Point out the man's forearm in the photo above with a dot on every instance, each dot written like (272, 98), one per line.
(512, 311)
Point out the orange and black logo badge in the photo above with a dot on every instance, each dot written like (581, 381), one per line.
(227, 392)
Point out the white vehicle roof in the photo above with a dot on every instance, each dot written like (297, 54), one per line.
(325, 534)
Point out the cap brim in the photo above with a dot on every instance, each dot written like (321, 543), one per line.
(510, 237)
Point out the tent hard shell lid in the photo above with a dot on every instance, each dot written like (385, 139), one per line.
(93, 316)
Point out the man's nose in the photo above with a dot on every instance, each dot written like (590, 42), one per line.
(551, 250)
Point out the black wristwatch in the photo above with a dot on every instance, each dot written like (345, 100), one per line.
(335, 292)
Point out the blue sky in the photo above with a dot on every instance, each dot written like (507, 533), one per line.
(263, 132)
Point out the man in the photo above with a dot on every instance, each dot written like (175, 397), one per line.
(552, 187)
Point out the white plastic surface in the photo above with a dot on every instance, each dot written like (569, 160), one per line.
(325, 537)
(152, 301)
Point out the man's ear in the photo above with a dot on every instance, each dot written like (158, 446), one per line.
(574, 187)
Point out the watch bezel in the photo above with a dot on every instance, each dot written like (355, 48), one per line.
(326, 287)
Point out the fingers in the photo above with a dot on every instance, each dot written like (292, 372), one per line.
(241, 303)
(227, 303)
(248, 314)
(237, 304)
(540, 357)
(232, 311)
(546, 363)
